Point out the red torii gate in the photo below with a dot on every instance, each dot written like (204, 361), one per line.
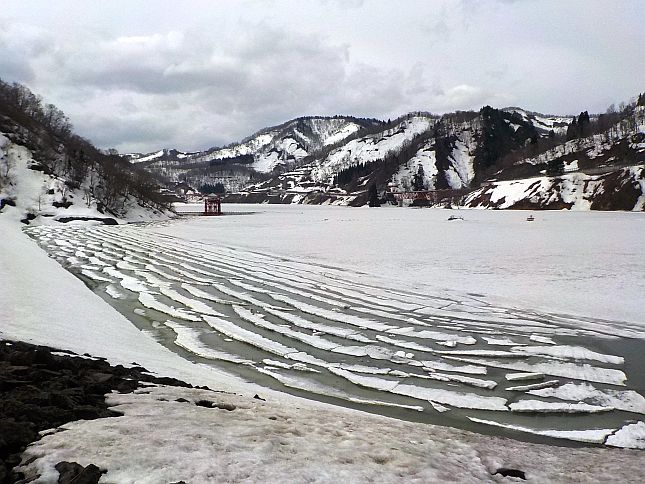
(212, 206)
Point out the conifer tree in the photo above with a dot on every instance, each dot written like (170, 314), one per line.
(572, 130)
(372, 196)
(418, 182)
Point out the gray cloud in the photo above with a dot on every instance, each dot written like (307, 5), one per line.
(206, 74)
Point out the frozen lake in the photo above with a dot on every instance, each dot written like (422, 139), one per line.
(491, 323)
(591, 263)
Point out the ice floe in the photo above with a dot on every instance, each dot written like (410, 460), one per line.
(188, 339)
(592, 436)
(538, 406)
(149, 301)
(627, 400)
(631, 436)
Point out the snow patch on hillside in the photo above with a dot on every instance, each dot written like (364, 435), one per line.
(371, 148)
(36, 194)
(576, 191)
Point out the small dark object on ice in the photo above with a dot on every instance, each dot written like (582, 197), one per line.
(258, 397)
(73, 472)
(208, 404)
(510, 473)
(182, 400)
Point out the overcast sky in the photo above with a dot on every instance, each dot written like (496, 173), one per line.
(141, 75)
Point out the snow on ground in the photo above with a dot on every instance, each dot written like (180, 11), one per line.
(162, 440)
(344, 444)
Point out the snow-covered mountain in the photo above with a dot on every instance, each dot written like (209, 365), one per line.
(276, 148)
(335, 160)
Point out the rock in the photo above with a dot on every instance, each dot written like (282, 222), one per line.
(14, 436)
(40, 390)
(205, 403)
(506, 472)
(208, 404)
(74, 473)
(226, 406)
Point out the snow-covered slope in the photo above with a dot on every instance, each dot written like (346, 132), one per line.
(623, 141)
(371, 148)
(447, 160)
(161, 155)
(623, 189)
(30, 195)
(277, 147)
(289, 142)
(543, 122)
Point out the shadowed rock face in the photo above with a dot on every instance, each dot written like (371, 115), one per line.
(40, 390)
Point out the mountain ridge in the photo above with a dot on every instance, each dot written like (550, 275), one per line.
(415, 152)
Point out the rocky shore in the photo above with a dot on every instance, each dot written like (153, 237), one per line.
(42, 388)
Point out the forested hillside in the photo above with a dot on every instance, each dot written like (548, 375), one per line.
(48, 171)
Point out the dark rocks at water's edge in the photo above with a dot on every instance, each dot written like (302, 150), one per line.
(74, 473)
(40, 390)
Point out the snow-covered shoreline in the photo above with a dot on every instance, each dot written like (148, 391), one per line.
(44, 304)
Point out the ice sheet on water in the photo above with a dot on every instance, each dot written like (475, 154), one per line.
(435, 335)
(242, 296)
(491, 340)
(188, 339)
(592, 436)
(197, 306)
(332, 315)
(495, 353)
(149, 301)
(448, 397)
(524, 376)
(631, 436)
(205, 295)
(152, 279)
(112, 291)
(627, 400)
(311, 386)
(245, 336)
(556, 368)
(287, 366)
(127, 282)
(432, 365)
(382, 384)
(347, 333)
(125, 266)
(411, 345)
(538, 406)
(94, 276)
(569, 352)
(533, 386)
(258, 320)
(542, 339)
(165, 275)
